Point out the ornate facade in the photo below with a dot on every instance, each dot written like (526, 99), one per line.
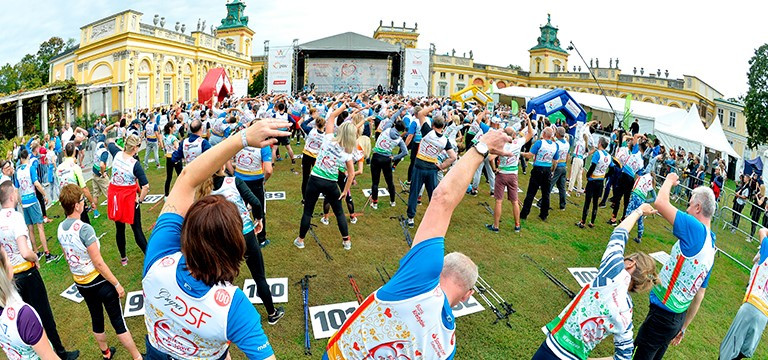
(143, 64)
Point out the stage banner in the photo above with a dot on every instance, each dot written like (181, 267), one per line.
(240, 87)
(280, 64)
(415, 81)
(347, 75)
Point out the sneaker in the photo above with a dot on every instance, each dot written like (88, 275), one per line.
(603, 205)
(124, 261)
(562, 209)
(637, 240)
(160, 167)
(40, 254)
(279, 158)
(96, 214)
(353, 219)
(375, 206)
(491, 193)
(473, 192)
(491, 228)
(109, 354)
(591, 225)
(69, 355)
(392, 204)
(410, 223)
(299, 244)
(418, 201)
(264, 244)
(324, 220)
(274, 318)
(612, 222)
(580, 224)
(47, 220)
(517, 228)
(51, 258)
(347, 244)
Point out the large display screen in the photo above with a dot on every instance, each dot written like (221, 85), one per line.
(350, 75)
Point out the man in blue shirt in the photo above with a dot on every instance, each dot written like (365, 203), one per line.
(684, 278)
(546, 155)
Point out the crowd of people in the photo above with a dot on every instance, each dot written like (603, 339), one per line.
(214, 217)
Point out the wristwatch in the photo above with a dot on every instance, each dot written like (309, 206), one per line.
(481, 148)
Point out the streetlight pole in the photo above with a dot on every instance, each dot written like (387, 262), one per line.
(573, 47)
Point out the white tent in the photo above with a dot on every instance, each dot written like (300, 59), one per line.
(682, 129)
(716, 139)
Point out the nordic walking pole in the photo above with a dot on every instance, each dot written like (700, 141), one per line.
(552, 278)
(312, 232)
(356, 289)
(304, 282)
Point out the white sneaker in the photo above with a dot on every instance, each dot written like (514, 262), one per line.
(392, 204)
(375, 206)
(347, 245)
(324, 220)
(299, 244)
(353, 219)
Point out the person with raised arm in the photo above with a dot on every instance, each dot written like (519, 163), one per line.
(603, 307)
(419, 296)
(194, 255)
(684, 278)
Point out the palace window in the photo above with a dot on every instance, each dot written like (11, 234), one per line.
(167, 91)
(69, 71)
(441, 90)
(720, 115)
(442, 74)
(732, 119)
(459, 87)
(186, 89)
(461, 76)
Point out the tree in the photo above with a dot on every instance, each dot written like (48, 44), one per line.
(48, 50)
(756, 101)
(33, 69)
(515, 67)
(257, 83)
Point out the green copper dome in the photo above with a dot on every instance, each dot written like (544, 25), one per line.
(548, 38)
(235, 17)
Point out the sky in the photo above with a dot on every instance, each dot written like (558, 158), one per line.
(711, 41)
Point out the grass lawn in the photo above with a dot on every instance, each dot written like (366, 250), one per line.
(378, 241)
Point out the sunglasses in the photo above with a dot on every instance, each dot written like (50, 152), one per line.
(82, 199)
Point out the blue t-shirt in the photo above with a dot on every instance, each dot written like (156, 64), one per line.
(545, 156)
(692, 235)
(419, 273)
(413, 129)
(266, 156)
(243, 321)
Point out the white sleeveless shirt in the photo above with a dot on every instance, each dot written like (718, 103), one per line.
(10, 340)
(179, 324)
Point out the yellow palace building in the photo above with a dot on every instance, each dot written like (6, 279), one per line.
(131, 64)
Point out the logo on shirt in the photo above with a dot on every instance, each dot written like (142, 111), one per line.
(76, 227)
(222, 297)
(176, 343)
(167, 261)
(417, 312)
(11, 313)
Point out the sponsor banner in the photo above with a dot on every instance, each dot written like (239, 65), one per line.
(416, 75)
(240, 87)
(347, 75)
(280, 70)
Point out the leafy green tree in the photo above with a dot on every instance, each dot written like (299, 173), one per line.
(48, 50)
(756, 101)
(257, 83)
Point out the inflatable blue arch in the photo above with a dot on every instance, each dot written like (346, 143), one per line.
(558, 100)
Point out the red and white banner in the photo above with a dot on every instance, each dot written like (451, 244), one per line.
(415, 80)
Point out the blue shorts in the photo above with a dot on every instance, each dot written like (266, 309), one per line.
(33, 214)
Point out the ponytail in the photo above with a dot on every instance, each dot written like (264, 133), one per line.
(204, 189)
(364, 143)
(644, 277)
(7, 287)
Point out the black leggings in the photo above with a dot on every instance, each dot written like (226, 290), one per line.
(41, 199)
(255, 262)
(330, 190)
(138, 233)
(624, 190)
(169, 167)
(413, 149)
(381, 164)
(98, 293)
(592, 193)
(307, 163)
(32, 290)
(341, 182)
(737, 208)
(257, 188)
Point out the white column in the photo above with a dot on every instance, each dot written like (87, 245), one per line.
(104, 101)
(44, 114)
(19, 119)
(67, 112)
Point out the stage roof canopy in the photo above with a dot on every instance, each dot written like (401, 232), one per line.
(349, 41)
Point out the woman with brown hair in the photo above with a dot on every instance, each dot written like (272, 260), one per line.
(604, 306)
(237, 192)
(127, 189)
(193, 311)
(93, 278)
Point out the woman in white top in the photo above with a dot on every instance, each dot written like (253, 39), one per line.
(23, 336)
